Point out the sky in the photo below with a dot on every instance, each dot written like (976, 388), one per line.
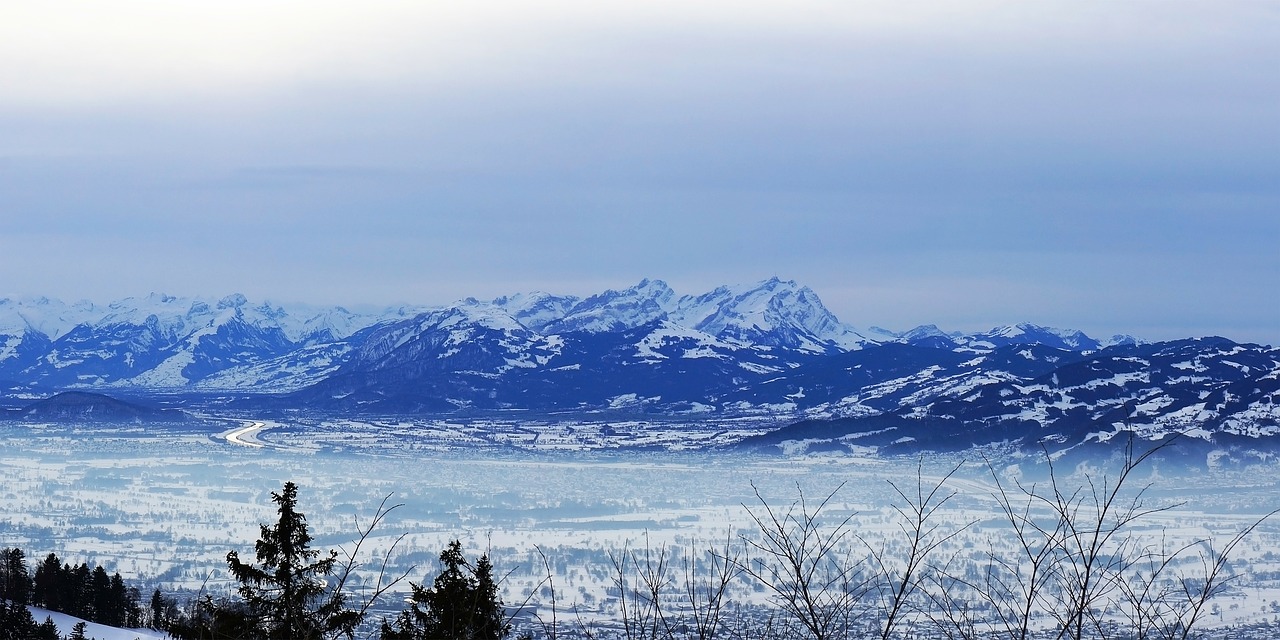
(1112, 167)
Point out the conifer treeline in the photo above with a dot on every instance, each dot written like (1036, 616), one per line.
(293, 592)
(81, 591)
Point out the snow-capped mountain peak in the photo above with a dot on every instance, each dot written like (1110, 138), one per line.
(162, 341)
(646, 302)
(772, 311)
(49, 317)
(476, 312)
(536, 309)
(1027, 333)
(233, 301)
(924, 331)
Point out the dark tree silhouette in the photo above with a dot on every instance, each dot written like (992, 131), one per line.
(76, 594)
(462, 604)
(15, 581)
(286, 595)
(47, 589)
(16, 622)
(47, 630)
(77, 632)
(99, 606)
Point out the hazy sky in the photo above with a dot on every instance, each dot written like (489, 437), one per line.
(1108, 166)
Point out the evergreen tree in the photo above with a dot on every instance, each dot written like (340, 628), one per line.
(77, 632)
(286, 596)
(162, 613)
(47, 584)
(122, 605)
(98, 605)
(47, 630)
(159, 621)
(16, 622)
(77, 590)
(15, 581)
(137, 617)
(462, 604)
(198, 620)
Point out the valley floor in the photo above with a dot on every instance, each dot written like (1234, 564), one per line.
(166, 504)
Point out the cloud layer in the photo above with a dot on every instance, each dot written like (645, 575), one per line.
(1112, 167)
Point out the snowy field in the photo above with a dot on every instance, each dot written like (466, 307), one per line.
(65, 623)
(165, 505)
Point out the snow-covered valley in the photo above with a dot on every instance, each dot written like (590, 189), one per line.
(164, 504)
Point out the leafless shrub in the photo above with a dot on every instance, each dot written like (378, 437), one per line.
(900, 577)
(809, 568)
(1072, 558)
(1082, 567)
(384, 581)
(658, 603)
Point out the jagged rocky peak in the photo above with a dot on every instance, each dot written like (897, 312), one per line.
(1027, 333)
(924, 331)
(929, 335)
(645, 291)
(11, 321)
(156, 309)
(537, 309)
(1023, 333)
(802, 306)
(648, 301)
(326, 324)
(740, 305)
(267, 310)
(792, 315)
(233, 301)
(1121, 339)
(481, 333)
(49, 317)
(881, 331)
(470, 312)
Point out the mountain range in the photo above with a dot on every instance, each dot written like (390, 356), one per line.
(768, 348)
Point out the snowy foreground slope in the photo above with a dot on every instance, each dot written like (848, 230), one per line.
(93, 629)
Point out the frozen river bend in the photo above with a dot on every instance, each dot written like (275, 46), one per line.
(247, 435)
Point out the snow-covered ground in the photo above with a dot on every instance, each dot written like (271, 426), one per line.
(166, 506)
(92, 629)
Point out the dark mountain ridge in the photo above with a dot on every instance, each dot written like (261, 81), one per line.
(84, 407)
